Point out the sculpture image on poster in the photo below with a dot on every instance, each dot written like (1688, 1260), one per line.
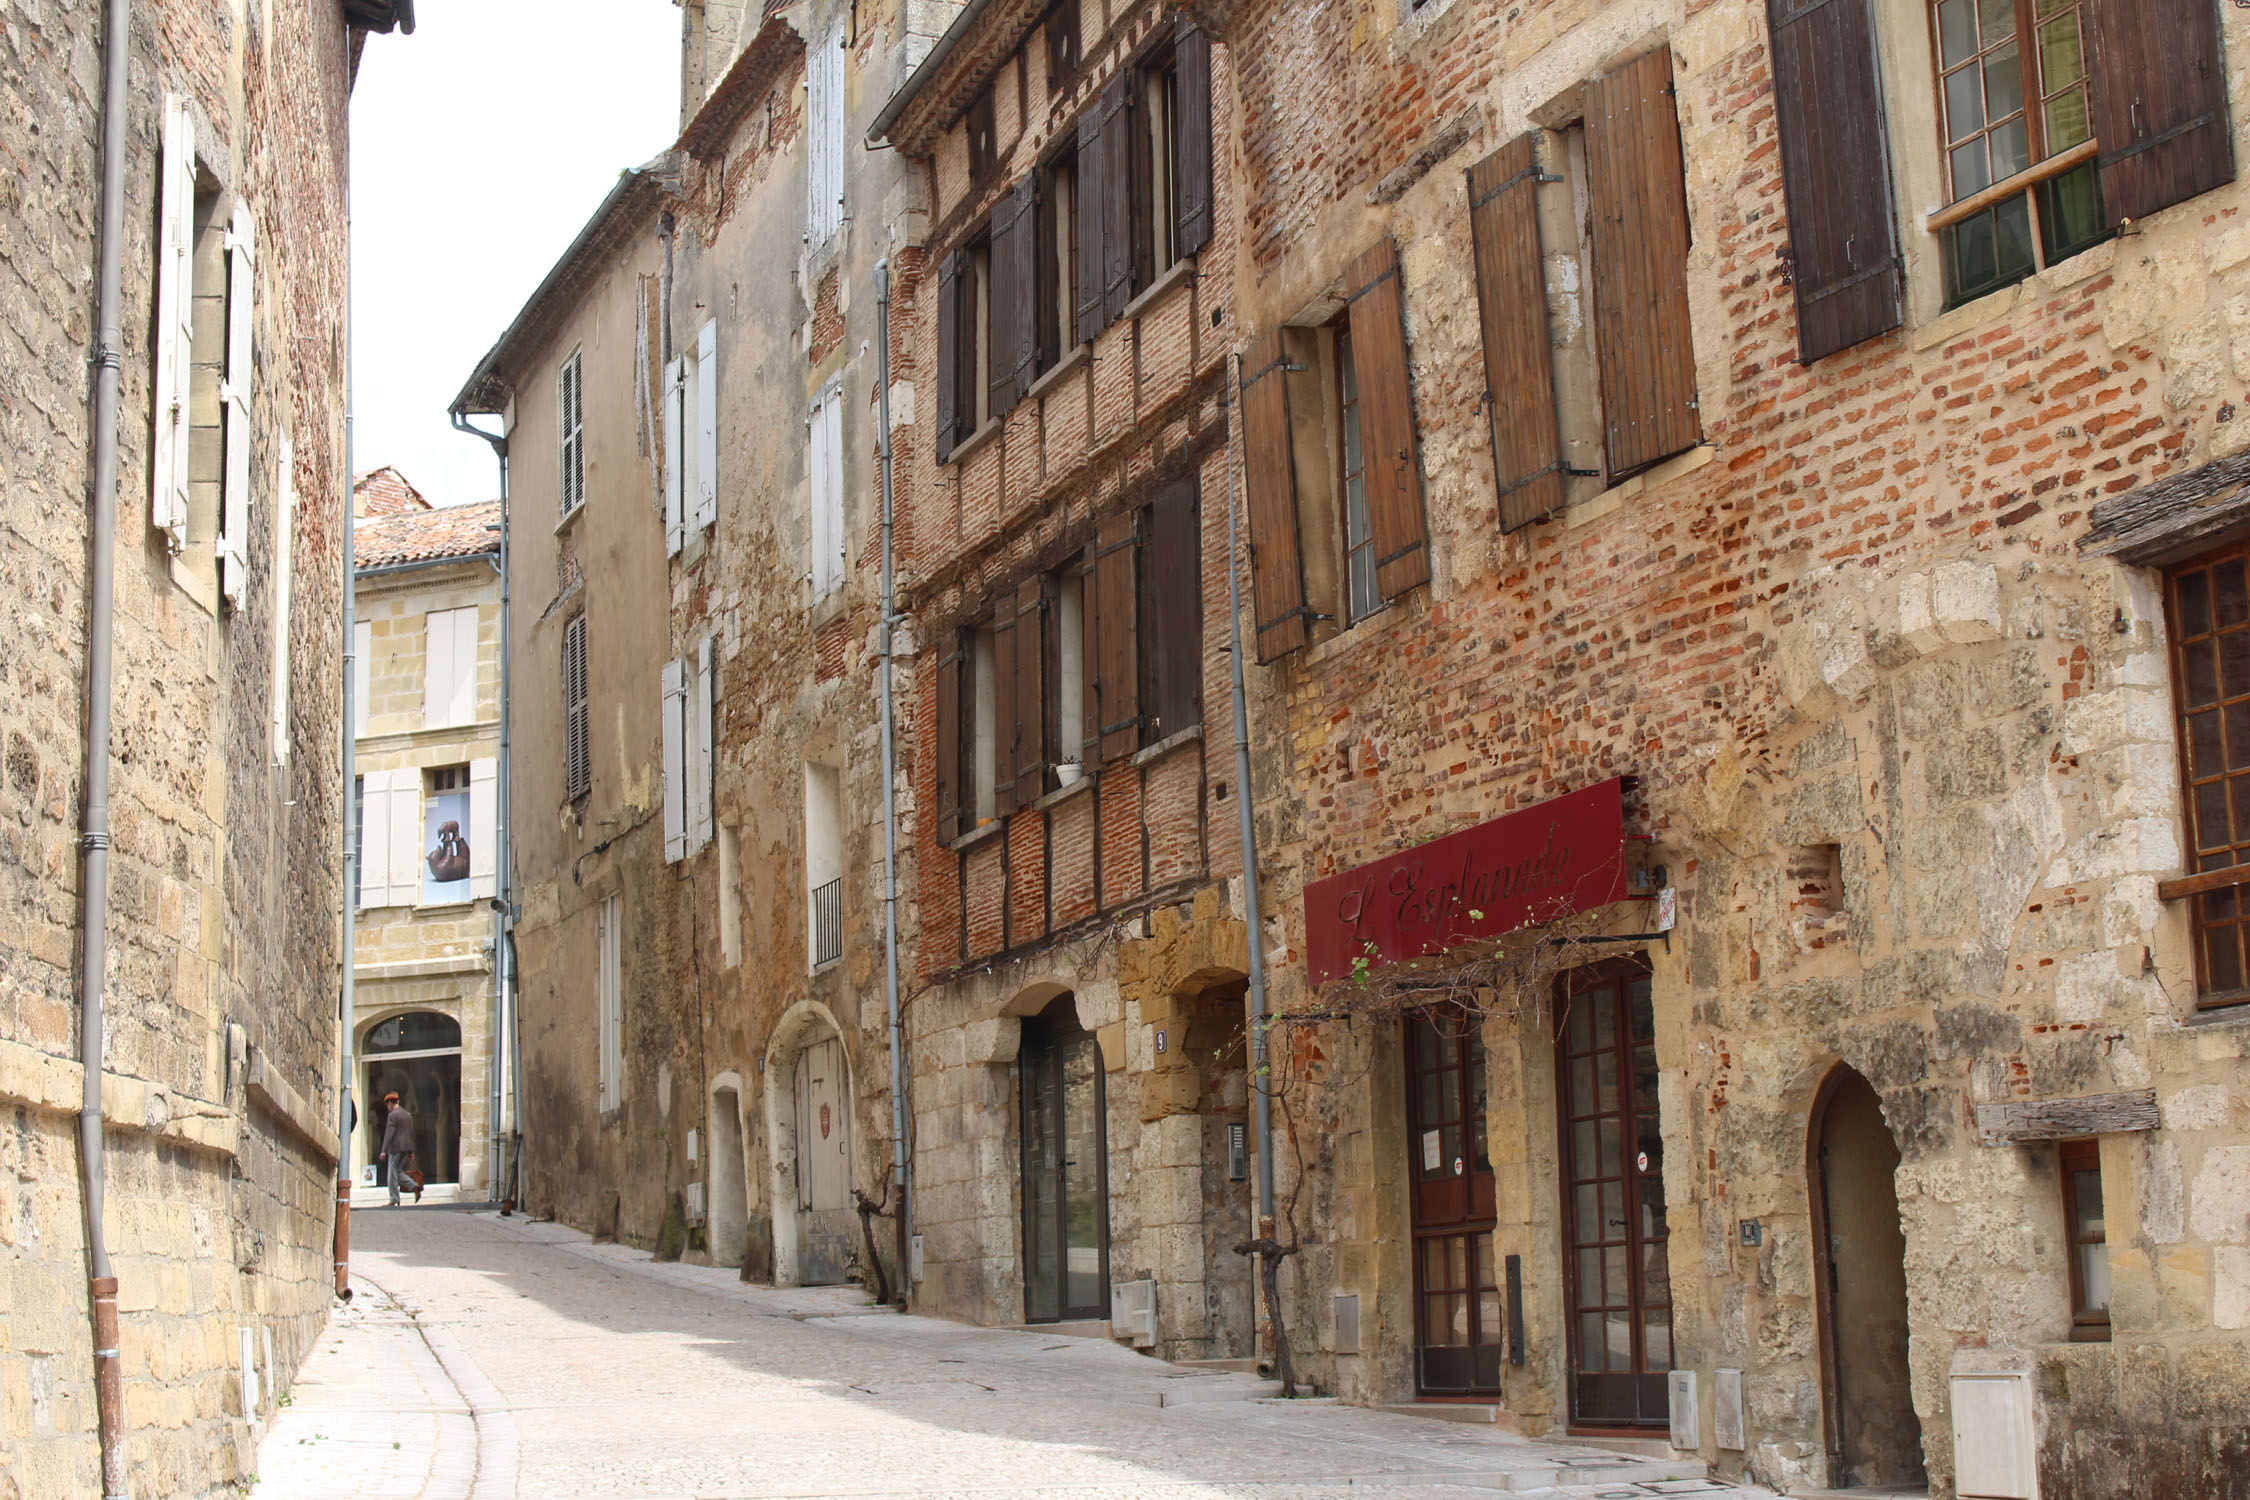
(445, 858)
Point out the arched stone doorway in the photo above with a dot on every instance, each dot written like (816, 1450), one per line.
(1873, 1436)
(730, 1174)
(1065, 1155)
(809, 1120)
(416, 1055)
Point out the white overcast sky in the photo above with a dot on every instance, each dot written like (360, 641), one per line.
(480, 146)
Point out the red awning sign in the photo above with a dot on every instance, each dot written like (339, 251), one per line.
(1533, 865)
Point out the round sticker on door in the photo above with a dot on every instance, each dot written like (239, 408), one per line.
(824, 1129)
(1456, 1166)
(1642, 1161)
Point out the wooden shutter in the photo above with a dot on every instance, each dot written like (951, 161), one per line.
(1277, 563)
(373, 795)
(234, 393)
(1640, 236)
(949, 706)
(1022, 292)
(1191, 192)
(1386, 423)
(1519, 374)
(948, 354)
(1029, 731)
(1175, 594)
(674, 691)
(577, 770)
(1115, 645)
(1835, 173)
(706, 425)
(1004, 709)
(1117, 196)
(2159, 102)
(484, 826)
(1087, 295)
(675, 456)
(703, 756)
(406, 830)
(175, 327)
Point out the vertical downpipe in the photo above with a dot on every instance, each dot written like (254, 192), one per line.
(347, 990)
(890, 795)
(101, 606)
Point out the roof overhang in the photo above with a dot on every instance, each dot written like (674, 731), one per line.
(774, 47)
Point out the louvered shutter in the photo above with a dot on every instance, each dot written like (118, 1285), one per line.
(571, 415)
(1022, 350)
(175, 328)
(1004, 304)
(1191, 191)
(484, 827)
(1117, 197)
(1386, 423)
(374, 839)
(1004, 723)
(674, 689)
(2159, 102)
(702, 726)
(1269, 472)
(1033, 603)
(1835, 173)
(234, 395)
(577, 758)
(948, 354)
(1116, 636)
(949, 705)
(1640, 236)
(1086, 296)
(1175, 563)
(706, 425)
(1519, 377)
(405, 814)
(675, 459)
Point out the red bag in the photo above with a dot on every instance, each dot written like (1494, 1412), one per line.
(410, 1177)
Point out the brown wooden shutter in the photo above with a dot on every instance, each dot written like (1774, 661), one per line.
(1835, 173)
(1115, 645)
(1640, 233)
(950, 703)
(1174, 631)
(1386, 422)
(2159, 102)
(1277, 563)
(1023, 290)
(1030, 731)
(1008, 268)
(948, 354)
(1118, 120)
(1519, 374)
(1087, 295)
(1004, 709)
(1191, 192)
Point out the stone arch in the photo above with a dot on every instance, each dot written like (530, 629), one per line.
(729, 1170)
(804, 1025)
(422, 1063)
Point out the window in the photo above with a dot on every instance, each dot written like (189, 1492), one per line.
(824, 463)
(980, 754)
(449, 667)
(686, 691)
(1062, 30)
(1056, 250)
(1335, 492)
(824, 865)
(691, 469)
(824, 138)
(2086, 1234)
(1156, 170)
(984, 139)
(447, 822)
(2208, 609)
(609, 1002)
(571, 422)
(392, 809)
(577, 773)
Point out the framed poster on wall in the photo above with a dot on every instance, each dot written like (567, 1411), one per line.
(445, 844)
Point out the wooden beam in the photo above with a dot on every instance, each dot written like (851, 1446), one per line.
(2066, 1119)
(2173, 517)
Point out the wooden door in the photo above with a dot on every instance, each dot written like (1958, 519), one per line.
(1615, 1267)
(1458, 1328)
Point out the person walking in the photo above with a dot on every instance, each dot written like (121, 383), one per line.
(398, 1144)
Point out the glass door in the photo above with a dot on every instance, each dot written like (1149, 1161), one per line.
(1613, 1202)
(1458, 1329)
(1065, 1188)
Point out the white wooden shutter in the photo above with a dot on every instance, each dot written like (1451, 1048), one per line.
(706, 425)
(374, 838)
(363, 641)
(824, 137)
(234, 393)
(175, 323)
(484, 826)
(462, 705)
(675, 755)
(832, 458)
(449, 661)
(706, 751)
(817, 544)
(675, 433)
(406, 837)
(284, 583)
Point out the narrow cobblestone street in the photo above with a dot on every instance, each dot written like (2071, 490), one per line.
(488, 1358)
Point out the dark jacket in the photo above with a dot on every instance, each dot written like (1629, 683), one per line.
(398, 1132)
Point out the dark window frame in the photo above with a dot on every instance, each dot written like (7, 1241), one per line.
(2199, 626)
(2088, 1324)
(1057, 263)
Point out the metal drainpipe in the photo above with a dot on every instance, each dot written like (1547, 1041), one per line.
(505, 1063)
(1262, 1072)
(101, 611)
(899, 1168)
(347, 991)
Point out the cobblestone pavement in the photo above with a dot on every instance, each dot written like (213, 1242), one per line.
(491, 1359)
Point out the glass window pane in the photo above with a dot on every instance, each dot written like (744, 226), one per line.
(1996, 20)
(1488, 1318)
(1971, 175)
(1449, 1095)
(1617, 1329)
(1605, 1019)
(2070, 212)
(2003, 83)
(1581, 1028)
(2011, 228)
(1605, 1082)
(2237, 736)
(2239, 794)
(1964, 106)
(2192, 592)
(1589, 1225)
(2218, 906)
(1590, 1342)
(2222, 959)
(2228, 589)
(2211, 816)
(1425, 1043)
(2062, 59)
(1658, 1331)
(1957, 31)
(1613, 1210)
(2207, 742)
(2200, 674)
(1974, 270)
(1613, 1146)
(2066, 120)
(2234, 663)
(2011, 153)
(1616, 1288)
(1581, 1085)
(2086, 1193)
(2093, 1277)
(1589, 1278)
(1585, 1159)
(1457, 1260)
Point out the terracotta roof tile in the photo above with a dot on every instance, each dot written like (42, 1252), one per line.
(380, 541)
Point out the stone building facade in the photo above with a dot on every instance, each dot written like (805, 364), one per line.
(220, 1101)
(705, 1022)
(426, 705)
(1710, 434)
